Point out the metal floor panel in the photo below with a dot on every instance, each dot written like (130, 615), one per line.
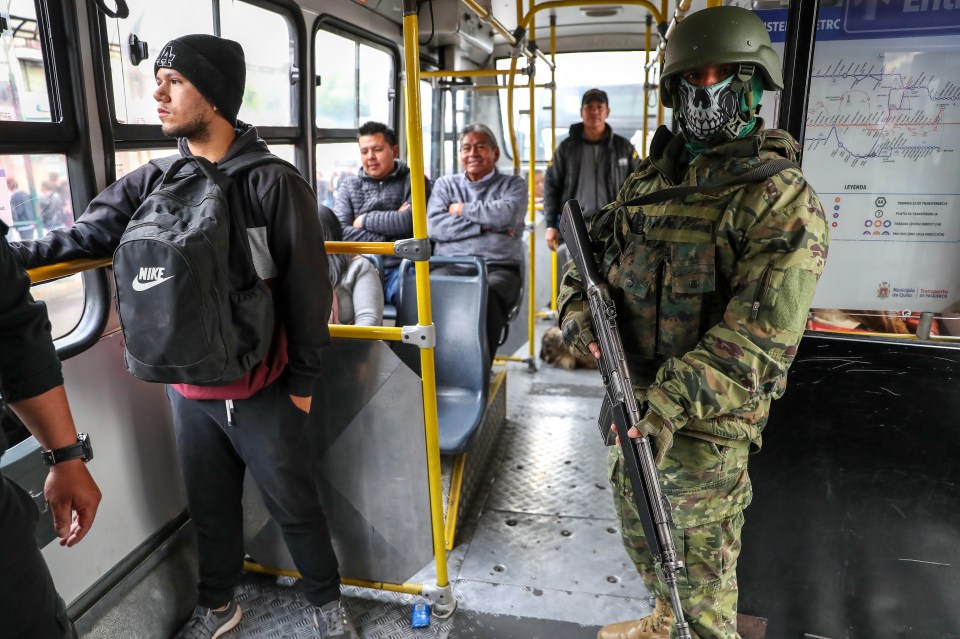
(569, 554)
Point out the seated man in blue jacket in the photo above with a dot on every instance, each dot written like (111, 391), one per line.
(374, 206)
(480, 212)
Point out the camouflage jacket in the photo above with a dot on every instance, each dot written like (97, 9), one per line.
(713, 290)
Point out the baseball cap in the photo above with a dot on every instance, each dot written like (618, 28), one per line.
(594, 94)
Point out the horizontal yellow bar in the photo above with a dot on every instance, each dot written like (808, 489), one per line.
(507, 358)
(409, 588)
(380, 248)
(63, 269)
(394, 333)
(501, 87)
(467, 73)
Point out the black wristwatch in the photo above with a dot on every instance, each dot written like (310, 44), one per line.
(83, 449)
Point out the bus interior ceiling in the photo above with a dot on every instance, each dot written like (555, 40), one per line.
(853, 531)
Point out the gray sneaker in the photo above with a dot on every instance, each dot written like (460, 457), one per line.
(210, 624)
(333, 623)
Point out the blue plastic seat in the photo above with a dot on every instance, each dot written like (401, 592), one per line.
(459, 304)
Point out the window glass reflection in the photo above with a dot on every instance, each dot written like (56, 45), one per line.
(23, 82)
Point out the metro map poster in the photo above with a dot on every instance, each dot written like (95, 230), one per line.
(881, 150)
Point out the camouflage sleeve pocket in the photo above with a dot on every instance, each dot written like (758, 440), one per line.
(784, 297)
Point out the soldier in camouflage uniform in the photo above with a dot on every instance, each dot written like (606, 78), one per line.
(712, 292)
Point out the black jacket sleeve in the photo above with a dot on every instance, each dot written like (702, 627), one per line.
(97, 232)
(303, 291)
(553, 182)
(28, 361)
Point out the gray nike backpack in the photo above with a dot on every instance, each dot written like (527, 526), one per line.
(192, 308)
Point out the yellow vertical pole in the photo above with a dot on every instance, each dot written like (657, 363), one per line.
(646, 83)
(532, 182)
(664, 13)
(414, 131)
(553, 144)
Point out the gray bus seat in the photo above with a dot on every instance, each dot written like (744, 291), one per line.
(459, 304)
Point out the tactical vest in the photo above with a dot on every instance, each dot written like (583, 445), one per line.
(669, 265)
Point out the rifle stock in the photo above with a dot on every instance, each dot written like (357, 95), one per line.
(620, 408)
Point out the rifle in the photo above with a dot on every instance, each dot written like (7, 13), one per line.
(620, 408)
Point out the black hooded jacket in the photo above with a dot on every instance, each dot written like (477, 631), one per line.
(560, 182)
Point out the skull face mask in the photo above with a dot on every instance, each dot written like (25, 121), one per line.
(705, 110)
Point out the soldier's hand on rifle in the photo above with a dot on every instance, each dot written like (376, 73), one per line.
(577, 329)
(653, 426)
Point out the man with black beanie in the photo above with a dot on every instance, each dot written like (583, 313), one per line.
(248, 425)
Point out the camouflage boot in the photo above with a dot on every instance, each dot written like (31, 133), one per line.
(656, 625)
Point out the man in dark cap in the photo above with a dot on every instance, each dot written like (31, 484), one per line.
(223, 431)
(589, 166)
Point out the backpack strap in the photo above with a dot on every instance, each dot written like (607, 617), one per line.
(756, 174)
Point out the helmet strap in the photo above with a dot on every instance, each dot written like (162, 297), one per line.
(742, 84)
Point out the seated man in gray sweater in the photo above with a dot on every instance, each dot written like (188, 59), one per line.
(374, 206)
(481, 212)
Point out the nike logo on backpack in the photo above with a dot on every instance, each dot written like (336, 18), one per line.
(148, 277)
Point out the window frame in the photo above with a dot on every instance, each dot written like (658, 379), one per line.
(129, 137)
(360, 36)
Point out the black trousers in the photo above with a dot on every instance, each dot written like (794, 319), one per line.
(30, 607)
(268, 436)
(504, 284)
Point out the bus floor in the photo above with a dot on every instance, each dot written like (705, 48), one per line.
(538, 555)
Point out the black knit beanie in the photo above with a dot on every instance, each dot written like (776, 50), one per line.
(215, 66)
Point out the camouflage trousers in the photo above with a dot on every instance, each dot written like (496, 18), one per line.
(708, 488)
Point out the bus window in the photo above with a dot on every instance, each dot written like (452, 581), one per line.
(33, 189)
(127, 161)
(335, 161)
(64, 300)
(133, 81)
(575, 73)
(426, 116)
(23, 83)
(286, 152)
(355, 82)
(39, 194)
(268, 43)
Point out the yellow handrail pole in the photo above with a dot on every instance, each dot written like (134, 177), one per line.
(556, 4)
(511, 84)
(466, 73)
(646, 88)
(356, 248)
(392, 333)
(64, 269)
(414, 126)
(532, 190)
(682, 7)
(553, 144)
(496, 87)
(486, 16)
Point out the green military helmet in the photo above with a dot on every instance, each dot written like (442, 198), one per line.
(719, 35)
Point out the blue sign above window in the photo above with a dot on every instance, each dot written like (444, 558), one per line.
(863, 19)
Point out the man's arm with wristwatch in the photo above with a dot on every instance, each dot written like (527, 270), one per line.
(69, 488)
(31, 382)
